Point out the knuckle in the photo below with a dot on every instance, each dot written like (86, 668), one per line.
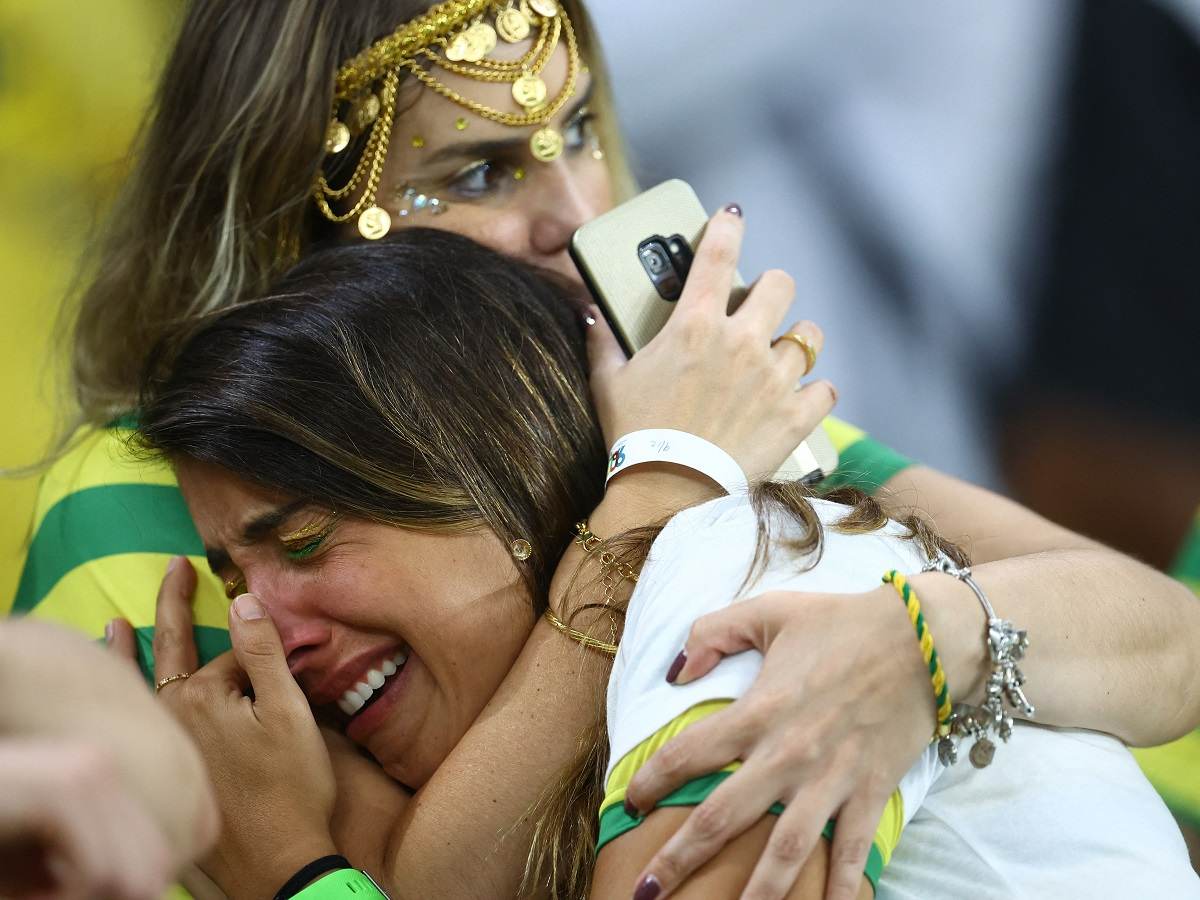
(850, 851)
(259, 646)
(669, 761)
(695, 333)
(164, 640)
(710, 820)
(787, 848)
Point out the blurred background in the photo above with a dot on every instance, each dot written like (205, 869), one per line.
(74, 81)
(993, 210)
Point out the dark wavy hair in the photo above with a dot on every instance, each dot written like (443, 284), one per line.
(422, 381)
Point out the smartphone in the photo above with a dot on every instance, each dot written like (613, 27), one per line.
(635, 259)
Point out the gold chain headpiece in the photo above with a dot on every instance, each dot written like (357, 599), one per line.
(457, 37)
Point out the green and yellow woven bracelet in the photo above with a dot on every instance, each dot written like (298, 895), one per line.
(936, 673)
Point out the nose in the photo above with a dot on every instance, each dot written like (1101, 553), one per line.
(563, 204)
(302, 628)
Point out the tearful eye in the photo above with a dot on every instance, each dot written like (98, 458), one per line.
(307, 541)
(579, 131)
(478, 179)
(306, 549)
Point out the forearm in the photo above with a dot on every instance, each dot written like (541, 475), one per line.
(1114, 646)
(467, 831)
(988, 526)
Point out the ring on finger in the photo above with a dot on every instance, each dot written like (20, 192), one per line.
(163, 682)
(804, 343)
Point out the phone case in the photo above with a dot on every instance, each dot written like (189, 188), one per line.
(607, 252)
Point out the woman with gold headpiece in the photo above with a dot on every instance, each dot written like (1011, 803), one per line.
(277, 125)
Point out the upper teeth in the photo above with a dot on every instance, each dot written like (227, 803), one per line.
(356, 698)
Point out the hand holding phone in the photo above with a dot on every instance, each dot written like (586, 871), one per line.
(636, 259)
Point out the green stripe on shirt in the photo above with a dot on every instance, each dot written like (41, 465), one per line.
(615, 822)
(104, 521)
(210, 643)
(1187, 563)
(867, 465)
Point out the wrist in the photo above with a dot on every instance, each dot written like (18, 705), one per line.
(257, 874)
(960, 628)
(648, 494)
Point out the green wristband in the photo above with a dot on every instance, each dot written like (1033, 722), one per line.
(342, 884)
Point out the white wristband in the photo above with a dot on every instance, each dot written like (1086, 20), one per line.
(680, 448)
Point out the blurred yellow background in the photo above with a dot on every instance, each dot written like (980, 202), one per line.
(74, 81)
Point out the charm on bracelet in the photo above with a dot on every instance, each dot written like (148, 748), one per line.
(1006, 648)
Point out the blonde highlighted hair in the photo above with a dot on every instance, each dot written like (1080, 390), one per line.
(218, 203)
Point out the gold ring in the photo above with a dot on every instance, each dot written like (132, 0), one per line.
(162, 683)
(809, 350)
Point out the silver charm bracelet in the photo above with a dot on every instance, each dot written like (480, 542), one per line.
(1006, 647)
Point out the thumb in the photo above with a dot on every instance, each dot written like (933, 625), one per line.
(259, 650)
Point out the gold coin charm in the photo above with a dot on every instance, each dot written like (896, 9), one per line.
(374, 223)
(456, 50)
(529, 90)
(512, 25)
(484, 37)
(547, 8)
(364, 111)
(337, 136)
(546, 144)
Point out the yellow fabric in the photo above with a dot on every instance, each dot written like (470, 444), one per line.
(887, 835)
(842, 434)
(125, 587)
(97, 457)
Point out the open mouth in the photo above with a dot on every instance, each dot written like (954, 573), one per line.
(370, 688)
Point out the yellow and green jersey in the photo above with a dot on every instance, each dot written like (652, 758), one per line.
(614, 821)
(105, 525)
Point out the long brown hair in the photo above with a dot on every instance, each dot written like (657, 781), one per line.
(218, 202)
(422, 381)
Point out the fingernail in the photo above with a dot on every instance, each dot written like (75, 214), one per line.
(676, 667)
(108, 632)
(833, 392)
(174, 564)
(733, 209)
(648, 888)
(248, 608)
(631, 810)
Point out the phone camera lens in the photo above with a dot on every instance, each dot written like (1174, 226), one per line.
(655, 259)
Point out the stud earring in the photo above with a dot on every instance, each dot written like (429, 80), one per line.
(521, 549)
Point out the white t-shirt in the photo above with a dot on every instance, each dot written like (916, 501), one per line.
(1057, 814)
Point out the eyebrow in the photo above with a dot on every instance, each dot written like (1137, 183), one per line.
(500, 146)
(255, 529)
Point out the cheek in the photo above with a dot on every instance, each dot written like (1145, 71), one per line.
(506, 230)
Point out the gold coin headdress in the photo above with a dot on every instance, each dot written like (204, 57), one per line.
(456, 36)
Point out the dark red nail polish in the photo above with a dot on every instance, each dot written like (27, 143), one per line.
(676, 667)
(648, 888)
(631, 810)
(733, 209)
